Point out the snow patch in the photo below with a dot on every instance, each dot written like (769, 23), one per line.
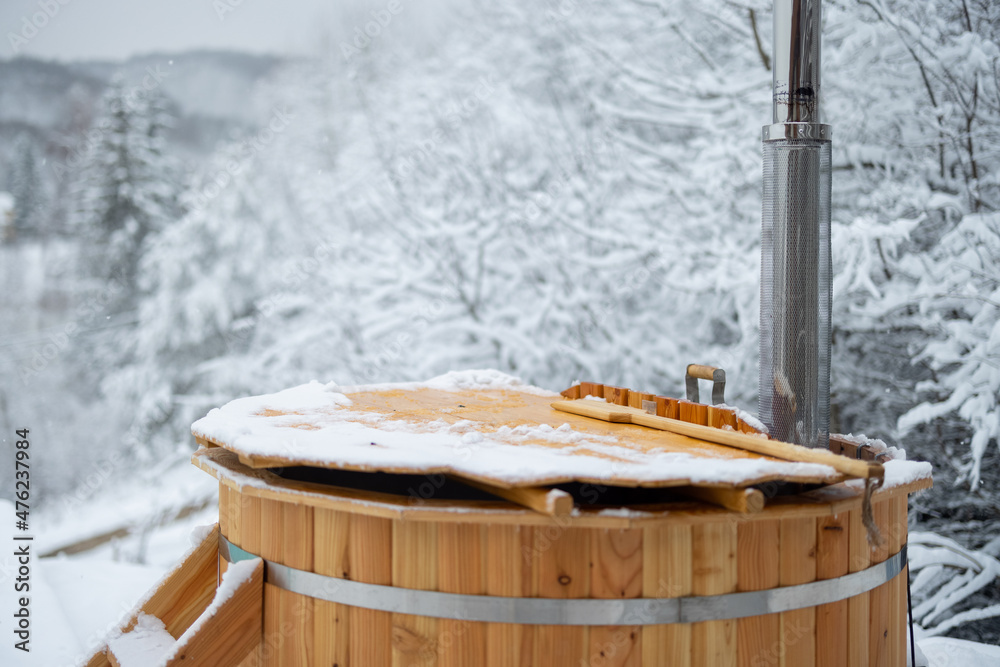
(306, 397)
(898, 473)
(147, 644)
(200, 533)
(947, 652)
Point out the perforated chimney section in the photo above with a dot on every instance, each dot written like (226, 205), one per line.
(796, 272)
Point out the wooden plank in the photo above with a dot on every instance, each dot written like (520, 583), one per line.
(797, 558)
(204, 442)
(331, 626)
(271, 538)
(896, 587)
(242, 511)
(461, 569)
(228, 636)
(250, 523)
(248, 527)
(229, 521)
(270, 548)
(616, 572)
(181, 596)
(758, 638)
(744, 427)
(189, 589)
(591, 389)
(713, 643)
(562, 570)
(784, 450)
(745, 501)
(692, 413)
(857, 606)
(616, 395)
(370, 550)
(287, 538)
(667, 407)
(667, 573)
(904, 578)
(636, 398)
(878, 598)
(414, 565)
(551, 502)
(297, 533)
(722, 417)
(297, 612)
(832, 559)
(572, 393)
(509, 561)
(226, 514)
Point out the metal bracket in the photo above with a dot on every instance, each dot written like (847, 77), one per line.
(697, 372)
(573, 611)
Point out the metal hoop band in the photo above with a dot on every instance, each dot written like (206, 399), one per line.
(586, 611)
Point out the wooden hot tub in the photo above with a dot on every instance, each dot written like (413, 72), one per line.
(613, 544)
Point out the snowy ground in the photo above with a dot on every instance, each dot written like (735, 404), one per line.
(78, 599)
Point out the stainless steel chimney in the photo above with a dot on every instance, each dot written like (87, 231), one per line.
(796, 272)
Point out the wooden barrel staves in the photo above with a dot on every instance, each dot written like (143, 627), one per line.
(356, 578)
(474, 521)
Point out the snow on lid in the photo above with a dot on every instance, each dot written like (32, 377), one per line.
(147, 644)
(898, 473)
(316, 396)
(303, 398)
(526, 464)
(506, 439)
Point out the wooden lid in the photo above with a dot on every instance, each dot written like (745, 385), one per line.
(478, 425)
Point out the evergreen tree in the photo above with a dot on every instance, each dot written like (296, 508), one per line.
(27, 187)
(126, 196)
(128, 187)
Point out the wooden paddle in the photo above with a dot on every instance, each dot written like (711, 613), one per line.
(620, 414)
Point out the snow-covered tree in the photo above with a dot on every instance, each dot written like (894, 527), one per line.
(27, 186)
(213, 282)
(127, 186)
(916, 241)
(575, 194)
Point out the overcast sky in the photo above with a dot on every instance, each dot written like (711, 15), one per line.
(116, 29)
